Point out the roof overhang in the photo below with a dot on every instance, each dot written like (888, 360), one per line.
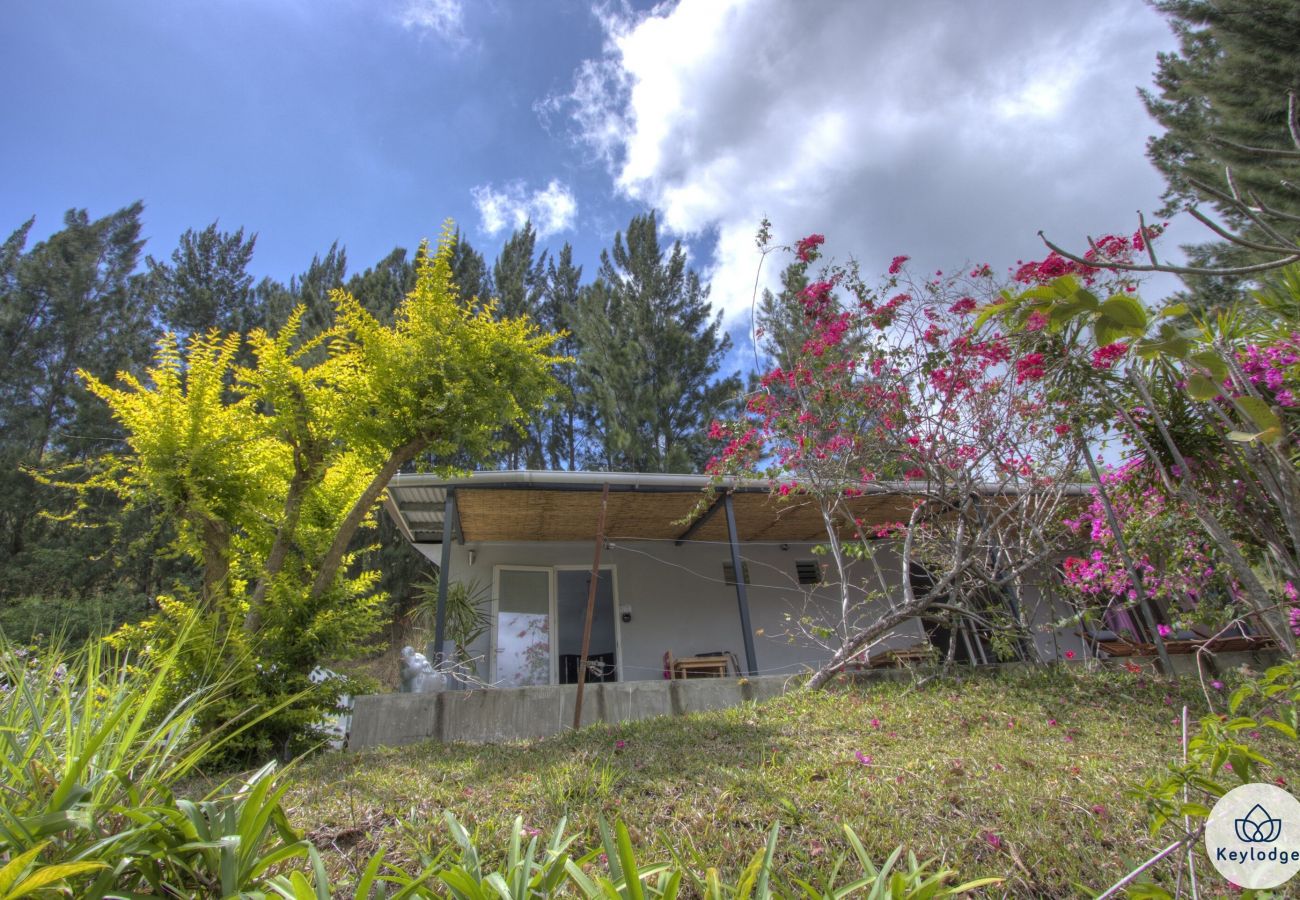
(565, 506)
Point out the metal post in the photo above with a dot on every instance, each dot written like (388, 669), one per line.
(742, 597)
(444, 569)
(591, 609)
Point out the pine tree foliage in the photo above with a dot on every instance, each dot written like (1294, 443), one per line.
(206, 284)
(72, 301)
(651, 350)
(561, 424)
(1222, 98)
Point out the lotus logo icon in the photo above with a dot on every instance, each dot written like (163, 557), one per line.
(1252, 836)
(1257, 826)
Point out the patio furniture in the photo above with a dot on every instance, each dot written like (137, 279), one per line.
(916, 655)
(1120, 647)
(709, 666)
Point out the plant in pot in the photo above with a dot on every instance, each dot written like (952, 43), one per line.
(467, 620)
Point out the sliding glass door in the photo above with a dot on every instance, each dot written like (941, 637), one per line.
(522, 633)
(537, 624)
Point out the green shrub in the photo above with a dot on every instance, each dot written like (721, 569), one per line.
(71, 618)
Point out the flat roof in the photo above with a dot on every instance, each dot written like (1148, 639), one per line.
(565, 506)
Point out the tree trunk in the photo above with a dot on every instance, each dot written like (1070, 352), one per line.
(357, 514)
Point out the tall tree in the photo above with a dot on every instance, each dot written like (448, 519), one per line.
(469, 270)
(519, 278)
(206, 283)
(1220, 98)
(71, 302)
(560, 423)
(651, 353)
(381, 288)
(269, 470)
(311, 290)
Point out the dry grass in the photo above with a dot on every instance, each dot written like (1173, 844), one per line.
(1023, 776)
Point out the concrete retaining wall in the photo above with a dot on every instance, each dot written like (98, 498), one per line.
(519, 713)
(511, 714)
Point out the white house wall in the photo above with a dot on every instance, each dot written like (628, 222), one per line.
(679, 602)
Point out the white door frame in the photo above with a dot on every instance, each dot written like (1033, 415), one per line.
(612, 569)
(496, 611)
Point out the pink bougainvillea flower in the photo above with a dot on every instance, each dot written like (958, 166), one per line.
(806, 248)
(620, 744)
(1105, 357)
(875, 723)
(1037, 321)
(862, 758)
(993, 840)
(1030, 368)
(1069, 654)
(1217, 685)
(1165, 630)
(897, 263)
(1051, 722)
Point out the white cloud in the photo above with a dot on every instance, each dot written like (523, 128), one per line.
(552, 209)
(444, 19)
(947, 130)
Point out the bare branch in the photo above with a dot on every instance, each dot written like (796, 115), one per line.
(1172, 269)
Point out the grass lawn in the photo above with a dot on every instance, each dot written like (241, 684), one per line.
(1021, 775)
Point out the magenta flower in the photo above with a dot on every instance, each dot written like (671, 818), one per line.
(875, 723)
(1105, 357)
(1165, 630)
(1217, 685)
(897, 263)
(862, 758)
(1069, 654)
(993, 840)
(1051, 722)
(806, 248)
(620, 744)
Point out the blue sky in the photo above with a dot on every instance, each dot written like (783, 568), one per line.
(947, 130)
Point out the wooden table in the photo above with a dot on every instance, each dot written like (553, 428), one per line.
(701, 667)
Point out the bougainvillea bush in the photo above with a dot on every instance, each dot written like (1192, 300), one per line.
(890, 391)
(1204, 414)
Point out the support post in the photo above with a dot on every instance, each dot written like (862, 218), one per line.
(444, 568)
(742, 596)
(591, 609)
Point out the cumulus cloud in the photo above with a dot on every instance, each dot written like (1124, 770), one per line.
(552, 209)
(444, 19)
(947, 130)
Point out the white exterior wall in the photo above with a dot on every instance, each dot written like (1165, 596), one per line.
(679, 602)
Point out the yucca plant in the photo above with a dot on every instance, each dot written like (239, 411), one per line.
(90, 752)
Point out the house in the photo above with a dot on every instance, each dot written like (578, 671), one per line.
(667, 591)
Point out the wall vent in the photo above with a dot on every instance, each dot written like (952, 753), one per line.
(809, 571)
(729, 572)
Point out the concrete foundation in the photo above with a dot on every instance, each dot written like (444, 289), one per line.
(511, 714)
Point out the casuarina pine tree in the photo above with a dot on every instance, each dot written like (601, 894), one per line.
(651, 350)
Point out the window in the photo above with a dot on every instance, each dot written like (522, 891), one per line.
(808, 570)
(729, 572)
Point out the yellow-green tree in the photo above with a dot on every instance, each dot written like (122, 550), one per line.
(269, 468)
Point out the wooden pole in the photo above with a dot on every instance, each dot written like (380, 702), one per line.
(591, 608)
